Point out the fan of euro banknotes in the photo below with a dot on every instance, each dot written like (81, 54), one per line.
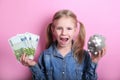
(24, 43)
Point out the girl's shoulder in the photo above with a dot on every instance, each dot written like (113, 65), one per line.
(86, 54)
(48, 50)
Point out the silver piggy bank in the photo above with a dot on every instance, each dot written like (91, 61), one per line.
(96, 43)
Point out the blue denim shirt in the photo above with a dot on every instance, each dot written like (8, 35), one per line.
(52, 66)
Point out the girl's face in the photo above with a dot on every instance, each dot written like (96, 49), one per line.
(64, 30)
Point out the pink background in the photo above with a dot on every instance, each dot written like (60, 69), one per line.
(20, 16)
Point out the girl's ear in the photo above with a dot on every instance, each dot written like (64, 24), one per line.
(75, 29)
(52, 29)
(53, 32)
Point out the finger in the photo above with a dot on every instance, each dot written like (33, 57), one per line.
(26, 59)
(24, 56)
(21, 59)
(103, 51)
(99, 53)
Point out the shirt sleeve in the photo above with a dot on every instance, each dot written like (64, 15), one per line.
(37, 70)
(90, 68)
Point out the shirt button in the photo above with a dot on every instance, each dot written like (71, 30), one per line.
(63, 72)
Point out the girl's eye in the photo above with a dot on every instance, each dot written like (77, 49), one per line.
(69, 28)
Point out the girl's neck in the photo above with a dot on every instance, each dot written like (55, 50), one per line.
(64, 50)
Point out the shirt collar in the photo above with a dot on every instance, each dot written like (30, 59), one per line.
(57, 53)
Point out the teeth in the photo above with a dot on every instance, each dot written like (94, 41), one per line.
(64, 39)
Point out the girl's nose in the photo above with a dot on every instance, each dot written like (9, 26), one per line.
(64, 32)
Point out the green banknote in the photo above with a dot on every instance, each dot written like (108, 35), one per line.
(24, 43)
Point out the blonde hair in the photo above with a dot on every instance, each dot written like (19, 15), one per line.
(78, 44)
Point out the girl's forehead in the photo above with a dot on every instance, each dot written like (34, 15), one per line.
(65, 20)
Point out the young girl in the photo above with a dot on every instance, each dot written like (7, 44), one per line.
(64, 58)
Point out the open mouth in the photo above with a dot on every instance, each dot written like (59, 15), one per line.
(64, 39)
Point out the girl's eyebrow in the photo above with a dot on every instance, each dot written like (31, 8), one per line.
(59, 26)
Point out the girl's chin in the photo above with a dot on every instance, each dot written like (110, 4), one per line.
(63, 44)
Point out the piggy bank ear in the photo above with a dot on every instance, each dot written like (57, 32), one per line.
(95, 43)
